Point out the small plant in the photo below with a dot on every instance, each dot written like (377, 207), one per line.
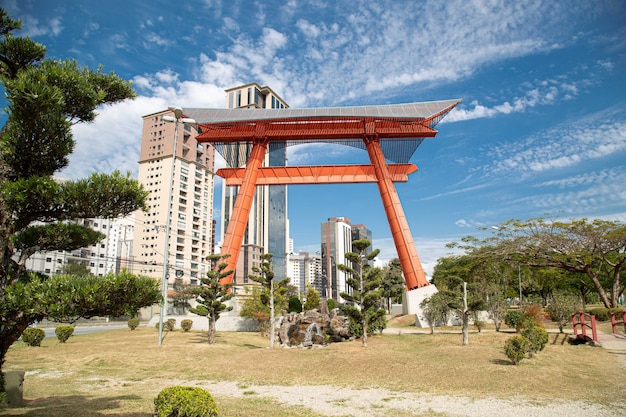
(168, 325)
(186, 324)
(64, 332)
(479, 324)
(535, 312)
(133, 323)
(512, 318)
(179, 401)
(33, 336)
(516, 348)
(537, 338)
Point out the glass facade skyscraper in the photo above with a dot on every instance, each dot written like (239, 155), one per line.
(267, 230)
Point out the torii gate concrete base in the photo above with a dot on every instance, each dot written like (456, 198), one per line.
(411, 301)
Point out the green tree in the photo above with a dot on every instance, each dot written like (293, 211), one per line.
(312, 301)
(393, 285)
(211, 294)
(364, 283)
(561, 308)
(45, 98)
(254, 307)
(452, 275)
(596, 248)
(274, 293)
(435, 310)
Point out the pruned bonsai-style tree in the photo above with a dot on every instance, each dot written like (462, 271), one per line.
(45, 98)
(365, 282)
(211, 294)
(273, 292)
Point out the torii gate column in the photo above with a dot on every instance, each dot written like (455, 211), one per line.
(241, 210)
(414, 276)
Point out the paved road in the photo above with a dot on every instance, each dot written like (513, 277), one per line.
(86, 329)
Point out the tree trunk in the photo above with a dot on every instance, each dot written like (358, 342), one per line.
(465, 316)
(599, 288)
(364, 337)
(272, 321)
(212, 330)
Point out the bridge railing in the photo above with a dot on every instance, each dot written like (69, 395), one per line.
(614, 321)
(578, 321)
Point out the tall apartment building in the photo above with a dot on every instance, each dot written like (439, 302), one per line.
(336, 240)
(304, 269)
(268, 226)
(337, 236)
(190, 170)
(111, 254)
(360, 231)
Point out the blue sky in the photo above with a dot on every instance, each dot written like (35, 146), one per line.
(541, 129)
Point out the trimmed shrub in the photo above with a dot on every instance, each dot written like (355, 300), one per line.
(179, 401)
(512, 318)
(516, 348)
(537, 337)
(603, 314)
(133, 323)
(64, 332)
(186, 324)
(332, 304)
(168, 325)
(33, 336)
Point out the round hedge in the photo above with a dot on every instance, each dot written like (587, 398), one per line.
(179, 401)
(33, 336)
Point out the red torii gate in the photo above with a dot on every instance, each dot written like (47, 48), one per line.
(370, 124)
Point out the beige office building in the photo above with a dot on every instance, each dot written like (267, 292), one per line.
(191, 174)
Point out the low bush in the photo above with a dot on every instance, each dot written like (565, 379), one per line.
(64, 332)
(537, 338)
(186, 324)
(516, 348)
(535, 313)
(179, 401)
(33, 336)
(133, 323)
(603, 314)
(512, 318)
(168, 325)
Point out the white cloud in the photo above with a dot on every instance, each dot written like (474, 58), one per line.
(32, 27)
(560, 147)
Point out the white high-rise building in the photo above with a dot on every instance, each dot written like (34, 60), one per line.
(336, 240)
(111, 254)
(304, 269)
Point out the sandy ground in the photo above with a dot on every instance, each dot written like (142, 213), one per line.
(335, 401)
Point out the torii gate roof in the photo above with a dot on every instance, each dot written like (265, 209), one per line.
(401, 128)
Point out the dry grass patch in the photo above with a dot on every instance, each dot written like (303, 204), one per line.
(120, 372)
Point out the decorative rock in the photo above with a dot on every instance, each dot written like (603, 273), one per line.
(313, 329)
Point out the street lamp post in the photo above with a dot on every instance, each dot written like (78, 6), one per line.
(178, 113)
